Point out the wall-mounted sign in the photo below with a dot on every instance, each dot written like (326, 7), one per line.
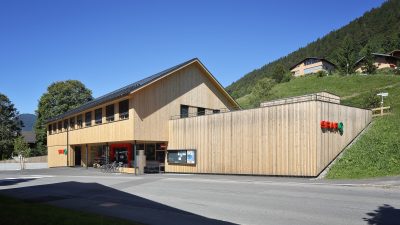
(62, 151)
(183, 156)
(332, 126)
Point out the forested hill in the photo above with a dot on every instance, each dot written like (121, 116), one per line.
(379, 28)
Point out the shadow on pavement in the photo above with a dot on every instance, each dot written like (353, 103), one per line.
(384, 215)
(97, 198)
(7, 182)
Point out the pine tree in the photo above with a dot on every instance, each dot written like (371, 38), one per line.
(346, 57)
(368, 61)
(10, 126)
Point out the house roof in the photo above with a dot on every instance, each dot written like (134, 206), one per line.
(392, 52)
(379, 55)
(318, 58)
(125, 91)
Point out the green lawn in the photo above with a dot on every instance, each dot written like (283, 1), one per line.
(18, 212)
(377, 152)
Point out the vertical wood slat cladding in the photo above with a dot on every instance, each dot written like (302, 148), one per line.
(276, 140)
(154, 105)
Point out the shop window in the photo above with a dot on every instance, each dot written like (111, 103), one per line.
(72, 123)
(88, 119)
(182, 156)
(124, 109)
(150, 151)
(184, 111)
(79, 121)
(98, 116)
(201, 111)
(110, 113)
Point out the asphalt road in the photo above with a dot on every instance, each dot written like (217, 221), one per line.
(210, 199)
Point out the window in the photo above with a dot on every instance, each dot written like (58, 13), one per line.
(59, 126)
(65, 125)
(201, 111)
(110, 113)
(184, 111)
(88, 119)
(49, 129)
(124, 109)
(216, 111)
(54, 128)
(79, 121)
(98, 116)
(72, 123)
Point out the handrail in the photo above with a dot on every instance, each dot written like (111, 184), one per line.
(380, 111)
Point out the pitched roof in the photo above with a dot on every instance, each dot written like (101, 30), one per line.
(124, 91)
(377, 54)
(317, 58)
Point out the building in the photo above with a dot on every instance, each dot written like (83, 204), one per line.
(134, 116)
(184, 118)
(311, 65)
(381, 61)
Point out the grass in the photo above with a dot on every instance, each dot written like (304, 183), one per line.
(377, 152)
(18, 212)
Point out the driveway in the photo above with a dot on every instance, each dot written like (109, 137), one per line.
(210, 199)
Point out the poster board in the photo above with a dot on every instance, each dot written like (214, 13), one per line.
(182, 156)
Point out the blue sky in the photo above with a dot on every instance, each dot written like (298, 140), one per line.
(109, 44)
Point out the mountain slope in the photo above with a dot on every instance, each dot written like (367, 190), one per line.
(375, 27)
(28, 121)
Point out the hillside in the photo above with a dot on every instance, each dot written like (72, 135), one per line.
(377, 152)
(28, 121)
(378, 27)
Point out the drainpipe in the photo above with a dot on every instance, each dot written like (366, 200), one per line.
(68, 145)
(87, 155)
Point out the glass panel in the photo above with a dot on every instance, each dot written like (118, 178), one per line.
(98, 115)
(88, 119)
(110, 113)
(150, 151)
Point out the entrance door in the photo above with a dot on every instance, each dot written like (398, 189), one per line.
(78, 155)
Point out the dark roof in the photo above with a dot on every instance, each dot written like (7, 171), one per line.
(118, 93)
(29, 136)
(377, 54)
(318, 58)
(124, 91)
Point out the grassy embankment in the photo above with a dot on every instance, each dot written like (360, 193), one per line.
(377, 152)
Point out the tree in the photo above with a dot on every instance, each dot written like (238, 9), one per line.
(368, 65)
(346, 57)
(21, 148)
(279, 73)
(60, 97)
(10, 126)
(261, 91)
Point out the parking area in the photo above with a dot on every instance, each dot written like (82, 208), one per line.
(208, 199)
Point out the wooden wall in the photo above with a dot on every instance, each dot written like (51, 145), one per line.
(330, 144)
(156, 104)
(275, 140)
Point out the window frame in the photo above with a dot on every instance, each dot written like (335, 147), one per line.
(88, 123)
(98, 112)
(124, 115)
(111, 117)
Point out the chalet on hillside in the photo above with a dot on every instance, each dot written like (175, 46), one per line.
(311, 65)
(381, 60)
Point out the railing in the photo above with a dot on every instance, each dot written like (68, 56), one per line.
(380, 111)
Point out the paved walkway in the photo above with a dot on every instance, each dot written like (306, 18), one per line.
(211, 199)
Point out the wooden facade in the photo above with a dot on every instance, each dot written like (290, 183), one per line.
(282, 139)
(150, 108)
